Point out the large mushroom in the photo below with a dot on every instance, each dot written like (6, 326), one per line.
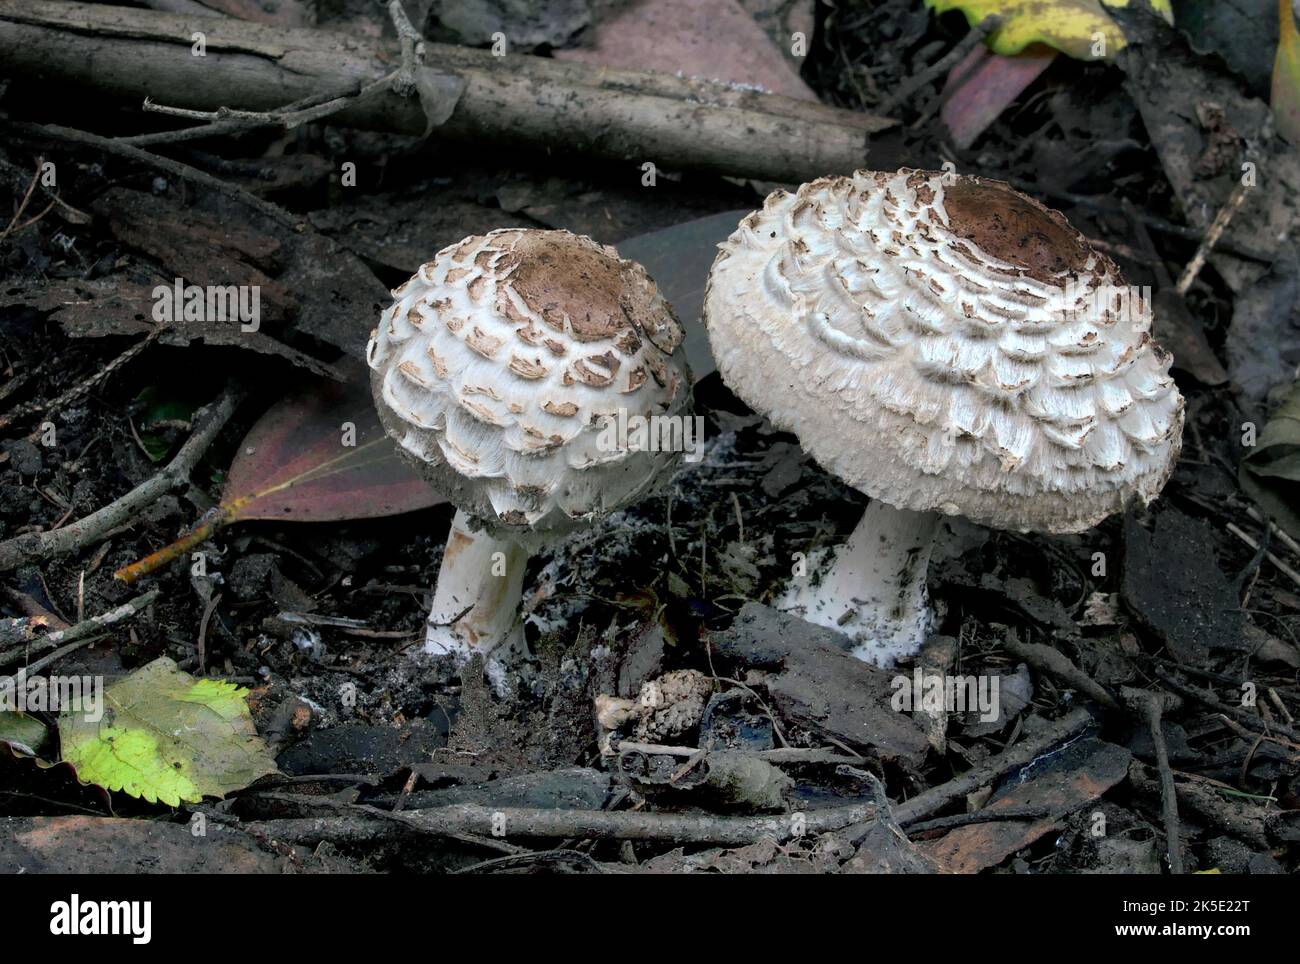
(497, 369)
(948, 346)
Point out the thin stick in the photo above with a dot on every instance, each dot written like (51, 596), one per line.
(979, 816)
(1248, 720)
(967, 43)
(1282, 535)
(202, 644)
(1211, 238)
(81, 388)
(1053, 662)
(1152, 705)
(225, 120)
(515, 822)
(39, 546)
(49, 132)
(1282, 566)
(781, 755)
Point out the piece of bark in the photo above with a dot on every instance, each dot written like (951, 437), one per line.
(1065, 783)
(630, 116)
(813, 680)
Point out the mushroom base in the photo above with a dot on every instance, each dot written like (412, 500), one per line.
(476, 600)
(873, 588)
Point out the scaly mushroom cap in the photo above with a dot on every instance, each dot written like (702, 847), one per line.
(499, 361)
(947, 346)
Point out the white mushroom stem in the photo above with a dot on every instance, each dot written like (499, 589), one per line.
(872, 588)
(476, 601)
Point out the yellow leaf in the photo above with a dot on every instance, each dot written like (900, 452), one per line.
(1080, 28)
(1286, 76)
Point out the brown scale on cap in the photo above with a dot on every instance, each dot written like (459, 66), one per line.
(564, 275)
(1011, 227)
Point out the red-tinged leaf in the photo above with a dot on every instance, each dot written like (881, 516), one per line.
(294, 465)
(985, 84)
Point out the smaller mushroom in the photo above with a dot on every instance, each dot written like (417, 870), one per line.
(948, 346)
(497, 370)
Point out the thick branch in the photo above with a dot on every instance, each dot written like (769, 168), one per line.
(634, 116)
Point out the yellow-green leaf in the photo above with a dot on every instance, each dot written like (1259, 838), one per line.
(166, 736)
(1286, 76)
(1071, 26)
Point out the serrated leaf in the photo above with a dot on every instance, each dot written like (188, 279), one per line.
(165, 736)
(1070, 26)
(295, 463)
(1286, 76)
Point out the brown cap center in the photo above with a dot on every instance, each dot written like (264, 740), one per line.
(560, 271)
(1006, 225)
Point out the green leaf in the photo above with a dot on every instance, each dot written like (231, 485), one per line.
(1270, 474)
(22, 732)
(160, 408)
(1070, 26)
(165, 736)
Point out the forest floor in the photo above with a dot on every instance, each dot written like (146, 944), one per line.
(794, 758)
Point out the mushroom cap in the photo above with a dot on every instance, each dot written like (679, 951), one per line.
(948, 344)
(499, 363)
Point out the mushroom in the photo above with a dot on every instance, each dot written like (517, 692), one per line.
(948, 346)
(497, 370)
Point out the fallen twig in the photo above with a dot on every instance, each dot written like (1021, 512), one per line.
(66, 640)
(781, 755)
(534, 823)
(1206, 802)
(82, 387)
(1281, 565)
(1053, 662)
(1212, 235)
(941, 66)
(1249, 720)
(979, 816)
(1150, 705)
(629, 116)
(38, 546)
